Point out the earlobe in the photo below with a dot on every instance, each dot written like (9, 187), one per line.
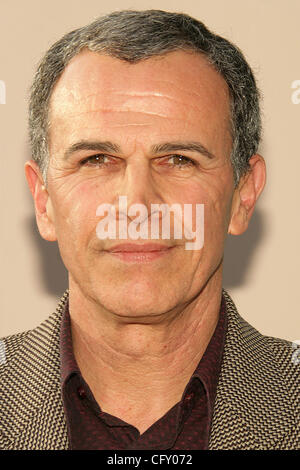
(246, 195)
(42, 201)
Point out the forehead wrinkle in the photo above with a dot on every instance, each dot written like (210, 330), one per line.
(115, 91)
(130, 95)
(156, 94)
(115, 110)
(132, 125)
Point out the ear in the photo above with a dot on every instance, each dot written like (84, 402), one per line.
(246, 194)
(42, 201)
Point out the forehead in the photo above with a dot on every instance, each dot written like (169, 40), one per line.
(185, 74)
(180, 86)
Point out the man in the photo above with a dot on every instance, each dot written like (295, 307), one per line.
(146, 350)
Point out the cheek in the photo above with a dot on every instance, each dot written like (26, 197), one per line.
(217, 213)
(75, 216)
(216, 196)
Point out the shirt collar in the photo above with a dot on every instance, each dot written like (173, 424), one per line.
(209, 367)
(68, 364)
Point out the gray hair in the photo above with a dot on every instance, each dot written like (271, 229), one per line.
(136, 35)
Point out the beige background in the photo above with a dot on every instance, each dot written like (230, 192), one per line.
(261, 266)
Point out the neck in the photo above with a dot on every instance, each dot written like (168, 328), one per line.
(141, 363)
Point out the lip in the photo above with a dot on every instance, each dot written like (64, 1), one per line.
(139, 253)
(138, 248)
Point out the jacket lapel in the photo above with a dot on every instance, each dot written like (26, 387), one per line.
(252, 407)
(30, 401)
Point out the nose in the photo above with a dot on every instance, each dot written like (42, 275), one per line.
(139, 185)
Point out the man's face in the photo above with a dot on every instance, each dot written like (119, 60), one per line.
(174, 99)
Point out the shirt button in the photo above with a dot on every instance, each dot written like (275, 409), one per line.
(189, 397)
(81, 392)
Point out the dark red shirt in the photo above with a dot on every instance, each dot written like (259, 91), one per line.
(185, 426)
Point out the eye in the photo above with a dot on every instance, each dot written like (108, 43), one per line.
(181, 161)
(96, 160)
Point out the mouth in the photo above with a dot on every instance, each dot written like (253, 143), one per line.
(139, 253)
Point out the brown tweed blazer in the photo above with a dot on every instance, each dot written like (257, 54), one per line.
(257, 403)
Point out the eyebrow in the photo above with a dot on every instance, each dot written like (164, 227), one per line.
(107, 146)
(178, 146)
(99, 146)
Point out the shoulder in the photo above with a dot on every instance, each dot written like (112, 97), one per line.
(33, 352)
(43, 336)
(246, 346)
(9, 346)
(257, 403)
(28, 342)
(30, 379)
(287, 358)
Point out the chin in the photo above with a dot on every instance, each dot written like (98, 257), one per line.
(136, 304)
